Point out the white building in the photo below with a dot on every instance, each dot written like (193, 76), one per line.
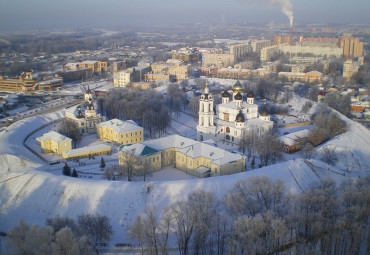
(232, 118)
(84, 115)
(122, 78)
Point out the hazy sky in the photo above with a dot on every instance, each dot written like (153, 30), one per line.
(25, 14)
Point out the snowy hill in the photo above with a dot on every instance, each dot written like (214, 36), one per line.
(35, 196)
(32, 195)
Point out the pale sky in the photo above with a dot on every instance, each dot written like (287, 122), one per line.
(34, 14)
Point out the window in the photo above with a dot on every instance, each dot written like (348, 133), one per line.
(135, 133)
(227, 130)
(153, 159)
(157, 157)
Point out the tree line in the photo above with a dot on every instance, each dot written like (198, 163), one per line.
(147, 108)
(260, 216)
(60, 236)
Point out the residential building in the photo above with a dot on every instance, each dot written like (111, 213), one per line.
(352, 47)
(53, 142)
(175, 70)
(283, 39)
(119, 66)
(200, 159)
(310, 77)
(268, 52)
(349, 68)
(187, 55)
(122, 78)
(122, 132)
(217, 59)
(257, 46)
(293, 50)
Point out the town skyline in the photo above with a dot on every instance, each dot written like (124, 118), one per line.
(121, 14)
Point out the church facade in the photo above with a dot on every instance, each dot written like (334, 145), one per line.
(232, 117)
(85, 115)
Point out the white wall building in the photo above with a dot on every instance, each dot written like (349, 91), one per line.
(232, 118)
(121, 78)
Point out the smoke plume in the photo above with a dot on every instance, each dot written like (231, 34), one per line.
(285, 6)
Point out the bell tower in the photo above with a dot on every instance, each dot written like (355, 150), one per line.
(206, 128)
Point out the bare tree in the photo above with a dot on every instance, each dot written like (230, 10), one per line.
(65, 242)
(329, 155)
(128, 163)
(194, 106)
(151, 232)
(70, 129)
(96, 227)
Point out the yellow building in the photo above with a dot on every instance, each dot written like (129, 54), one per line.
(50, 83)
(156, 77)
(349, 68)
(54, 142)
(88, 151)
(310, 77)
(26, 82)
(195, 158)
(145, 157)
(122, 78)
(102, 66)
(91, 64)
(122, 132)
(218, 59)
(175, 70)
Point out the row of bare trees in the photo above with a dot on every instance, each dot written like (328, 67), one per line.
(260, 216)
(265, 147)
(60, 236)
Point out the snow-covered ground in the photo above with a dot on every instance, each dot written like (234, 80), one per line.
(33, 191)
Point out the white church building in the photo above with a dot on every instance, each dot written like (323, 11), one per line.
(231, 118)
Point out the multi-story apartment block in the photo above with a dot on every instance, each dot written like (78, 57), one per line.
(175, 70)
(257, 46)
(119, 66)
(122, 78)
(268, 52)
(352, 47)
(187, 55)
(292, 50)
(349, 68)
(218, 59)
(283, 39)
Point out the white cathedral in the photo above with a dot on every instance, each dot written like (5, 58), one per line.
(231, 117)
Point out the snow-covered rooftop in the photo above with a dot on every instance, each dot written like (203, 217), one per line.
(54, 136)
(120, 126)
(216, 155)
(87, 149)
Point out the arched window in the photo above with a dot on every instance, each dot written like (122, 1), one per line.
(202, 107)
(227, 130)
(202, 121)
